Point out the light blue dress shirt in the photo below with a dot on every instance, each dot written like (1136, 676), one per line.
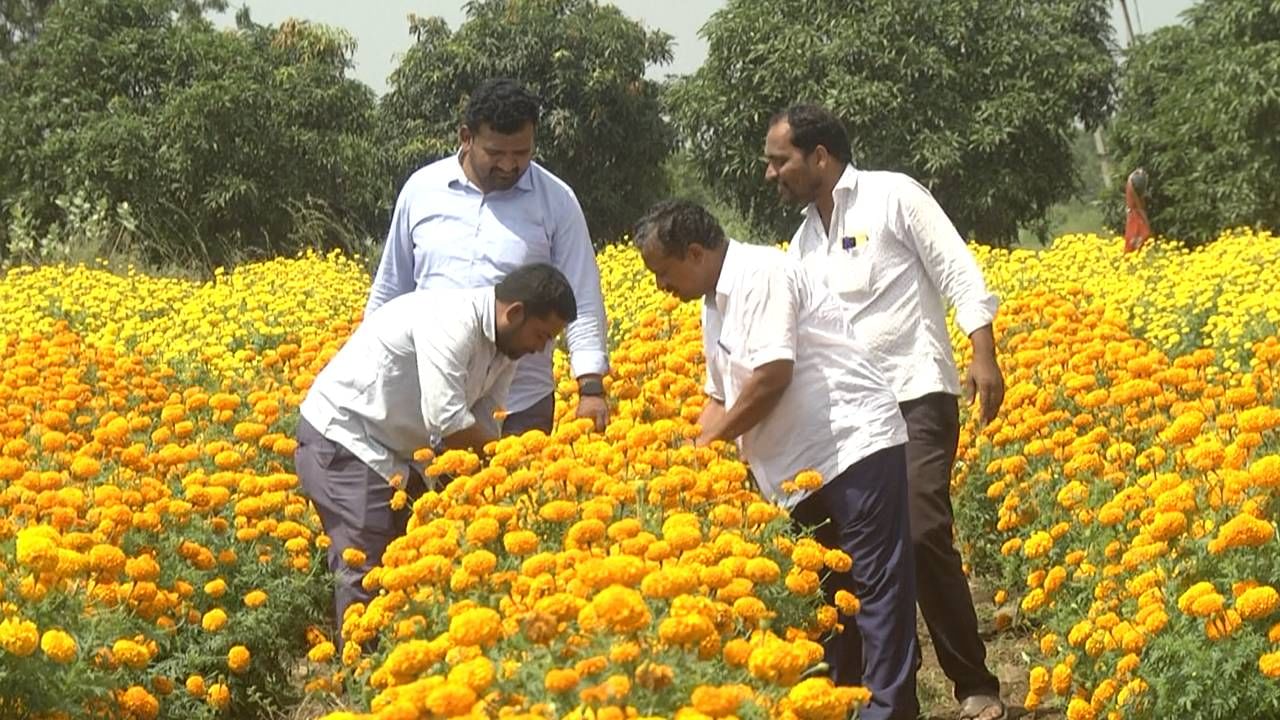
(447, 233)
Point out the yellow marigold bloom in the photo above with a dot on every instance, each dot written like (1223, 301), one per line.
(622, 609)
(219, 696)
(479, 626)
(819, 699)
(521, 542)
(18, 637)
(195, 685)
(808, 480)
(216, 587)
(477, 673)
(130, 654)
(58, 645)
(558, 511)
(837, 561)
(84, 468)
(1222, 624)
(214, 620)
(138, 703)
(719, 701)
(238, 658)
(1258, 603)
(561, 680)
(1060, 679)
(1038, 545)
(255, 598)
(1079, 709)
(1243, 530)
(321, 652)
(1269, 664)
(353, 557)
(451, 700)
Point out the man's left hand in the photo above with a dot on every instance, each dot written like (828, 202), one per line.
(596, 408)
(985, 382)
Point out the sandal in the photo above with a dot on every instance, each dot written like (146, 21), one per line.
(983, 707)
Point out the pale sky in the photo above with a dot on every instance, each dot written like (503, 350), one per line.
(381, 29)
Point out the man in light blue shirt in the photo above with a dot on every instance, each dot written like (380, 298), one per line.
(468, 220)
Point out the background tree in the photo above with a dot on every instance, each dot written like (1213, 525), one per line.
(977, 99)
(1200, 110)
(225, 144)
(601, 131)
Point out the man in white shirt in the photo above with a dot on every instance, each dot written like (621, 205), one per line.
(469, 219)
(881, 242)
(427, 370)
(787, 381)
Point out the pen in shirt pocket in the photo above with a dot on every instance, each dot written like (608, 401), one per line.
(850, 242)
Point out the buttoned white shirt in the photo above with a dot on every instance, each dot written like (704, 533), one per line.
(418, 369)
(447, 233)
(891, 254)
(837, 410)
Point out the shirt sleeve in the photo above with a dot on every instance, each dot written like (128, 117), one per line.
(766, 315)
(573, 255)
(493, 400)
(925, 226)
(443, 358)
(396, 273)
(714, 385)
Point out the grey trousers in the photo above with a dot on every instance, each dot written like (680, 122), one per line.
(354, 504)
(538, 416)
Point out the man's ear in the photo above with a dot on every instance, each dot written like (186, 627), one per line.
(695, 252)
(821, 155)
(464, 135)
(514, 314)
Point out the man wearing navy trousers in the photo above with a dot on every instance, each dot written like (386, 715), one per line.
(788, 382)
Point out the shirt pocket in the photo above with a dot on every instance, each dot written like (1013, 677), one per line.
(848, 274)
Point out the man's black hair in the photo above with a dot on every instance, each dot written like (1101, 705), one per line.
(503, 104)
(813, 125)
(677, 224)
(543, 289)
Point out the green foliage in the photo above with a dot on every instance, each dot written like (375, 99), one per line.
(20, 21)
(975, 99)
(1200, 109)
(601, 131)
(215, 139)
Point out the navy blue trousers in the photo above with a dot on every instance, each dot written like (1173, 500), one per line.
(864, 512)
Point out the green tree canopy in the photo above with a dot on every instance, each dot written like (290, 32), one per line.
(223, 142)
(601, 130)
(1200, 111)
(977, 99)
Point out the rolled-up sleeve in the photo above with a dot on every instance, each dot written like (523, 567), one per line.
(947, 260)
(396, 273)
(573, 255)
(443, 358)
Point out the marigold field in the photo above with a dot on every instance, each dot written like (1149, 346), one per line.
(156, 559)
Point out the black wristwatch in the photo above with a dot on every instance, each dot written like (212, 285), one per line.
(591, 386)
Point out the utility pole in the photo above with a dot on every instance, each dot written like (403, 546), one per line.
(1103, 160)
(1128, 24)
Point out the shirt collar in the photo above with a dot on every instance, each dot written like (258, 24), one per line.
(847, 183)
(457, 175)
(489, 315)
(729, 271)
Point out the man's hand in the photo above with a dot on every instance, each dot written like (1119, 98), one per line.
(983, 381)
(596, 408)
(712, 416)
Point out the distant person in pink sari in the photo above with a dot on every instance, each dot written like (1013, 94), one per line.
(1136, 226)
